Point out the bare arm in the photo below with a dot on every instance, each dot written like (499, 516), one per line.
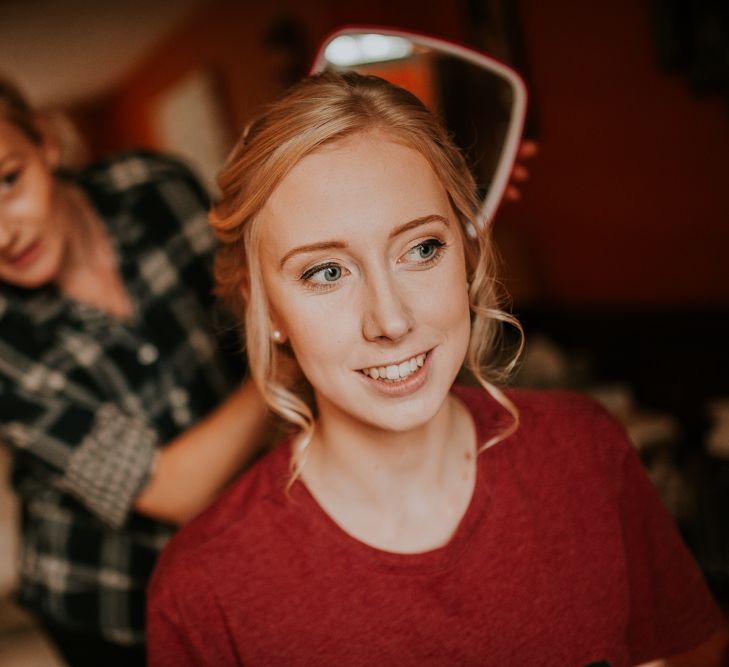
(194, 467)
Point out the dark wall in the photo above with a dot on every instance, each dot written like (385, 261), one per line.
(628, 202)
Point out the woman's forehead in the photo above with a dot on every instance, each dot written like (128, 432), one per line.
(367, 177)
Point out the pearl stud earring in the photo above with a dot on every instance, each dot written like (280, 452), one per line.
(276, 335)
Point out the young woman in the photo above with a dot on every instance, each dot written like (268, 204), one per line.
(407, 521)
(111, 367)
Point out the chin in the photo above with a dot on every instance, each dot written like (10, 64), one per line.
(412, 415)
(38, 279)
(399, 415)
(357, 402)
(43, 274)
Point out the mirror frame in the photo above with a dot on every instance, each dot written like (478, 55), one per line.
(500, 181)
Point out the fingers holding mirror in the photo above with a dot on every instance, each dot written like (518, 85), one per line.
(520, 173)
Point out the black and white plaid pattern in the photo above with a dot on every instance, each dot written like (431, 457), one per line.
(86, 399)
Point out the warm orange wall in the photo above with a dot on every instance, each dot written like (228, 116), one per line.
(628, 201)
(414, 74)
(228, 37)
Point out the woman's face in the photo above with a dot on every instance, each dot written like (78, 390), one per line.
(363, 265)
(32, 236)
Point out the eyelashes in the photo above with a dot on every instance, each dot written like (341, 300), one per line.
(421, 256)
(426, 252)
(9, 179)
(330, 272)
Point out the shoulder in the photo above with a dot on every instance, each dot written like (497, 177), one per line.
(568, 416)
(553, 425)
(137, 169)
(565, 411)
(240, 521)
(142, 185)
(149, 199)
(540, 408)
(544, 401)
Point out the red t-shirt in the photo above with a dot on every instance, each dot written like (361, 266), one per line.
(565, 556)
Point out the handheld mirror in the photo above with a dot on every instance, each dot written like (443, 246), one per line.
(481, 100)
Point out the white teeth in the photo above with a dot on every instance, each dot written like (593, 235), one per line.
(395, 372)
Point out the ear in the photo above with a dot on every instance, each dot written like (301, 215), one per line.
(278, 333)
(245, 290)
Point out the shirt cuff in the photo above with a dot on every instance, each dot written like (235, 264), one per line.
(112, 464)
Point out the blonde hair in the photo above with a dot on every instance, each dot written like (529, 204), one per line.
(316, 112)
(15, 109)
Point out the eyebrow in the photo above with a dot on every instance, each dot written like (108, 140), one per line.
(9, 157)
(328, 245)
(312, 247)
(418, 222)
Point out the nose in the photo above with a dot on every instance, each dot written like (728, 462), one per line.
(387, 315)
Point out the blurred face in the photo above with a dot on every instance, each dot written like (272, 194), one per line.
(32, 234)
(363, 265)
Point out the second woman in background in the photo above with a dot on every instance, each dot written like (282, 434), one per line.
(119, 397)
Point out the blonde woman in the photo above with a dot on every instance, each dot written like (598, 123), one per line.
(405, 521)
(122, 406)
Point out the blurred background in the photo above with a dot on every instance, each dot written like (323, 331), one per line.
(615, 253)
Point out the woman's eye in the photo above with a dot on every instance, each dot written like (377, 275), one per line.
(323, 275)
(9, 179)
(424, 251)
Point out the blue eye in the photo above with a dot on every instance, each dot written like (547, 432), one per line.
(321, 275)
(425, 251)
(331, 273)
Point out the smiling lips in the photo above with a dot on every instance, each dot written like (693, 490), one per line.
(25, 256)
(396, 372)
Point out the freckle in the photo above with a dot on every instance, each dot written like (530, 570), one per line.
(469, 456)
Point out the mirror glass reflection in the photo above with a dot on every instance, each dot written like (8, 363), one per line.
(481, 101)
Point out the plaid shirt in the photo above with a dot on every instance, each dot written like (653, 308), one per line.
(85, 399)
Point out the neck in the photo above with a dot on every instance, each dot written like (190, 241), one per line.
(83, 232)
(404, 492)
(378, 464)
(89, 273)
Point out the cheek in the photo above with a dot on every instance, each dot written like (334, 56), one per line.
(454, 298)
(443, 301)
(34, 205)
(321, 332)
(318, 327)
(455, 324)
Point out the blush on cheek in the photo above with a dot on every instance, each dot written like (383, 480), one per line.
(452, 303)
(458, 318)
(309, 350)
